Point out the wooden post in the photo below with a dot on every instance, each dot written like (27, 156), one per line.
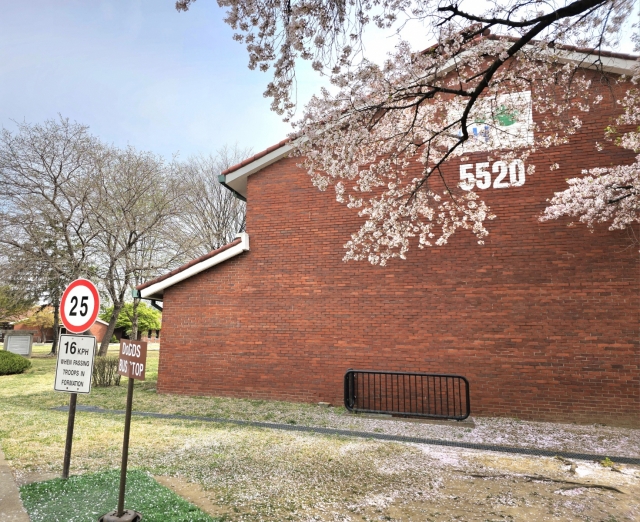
(125, 448)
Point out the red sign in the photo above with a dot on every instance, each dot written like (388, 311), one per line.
(79, 306)
(133, 359)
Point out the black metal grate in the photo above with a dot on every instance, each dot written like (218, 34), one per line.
(431, 395)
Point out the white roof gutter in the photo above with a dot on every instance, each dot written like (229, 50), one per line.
(608, 64)
(156, 290)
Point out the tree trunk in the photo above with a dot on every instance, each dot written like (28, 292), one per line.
(134, 320)
(104, 345)
(56, 326)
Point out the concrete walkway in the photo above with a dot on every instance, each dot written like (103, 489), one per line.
(11, 509)
(533, 451)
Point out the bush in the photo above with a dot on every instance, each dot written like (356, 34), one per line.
(11, 363)
(105, 371)
(114, 339)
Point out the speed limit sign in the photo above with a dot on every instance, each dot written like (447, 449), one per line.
(79, 305)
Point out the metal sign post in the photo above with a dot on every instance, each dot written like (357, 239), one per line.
(66, 463)
(132, 364)
(74, 370)
(79, 307)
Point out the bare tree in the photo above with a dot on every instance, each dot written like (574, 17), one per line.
(35, 279)
(166, 248)
(74, 207)
(13, 302)
(134, 198)
(44, 172)
(211, 215)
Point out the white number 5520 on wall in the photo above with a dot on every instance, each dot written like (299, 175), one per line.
(481, 177)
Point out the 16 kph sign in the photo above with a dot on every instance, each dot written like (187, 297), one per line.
(74, 367)
(133, 358)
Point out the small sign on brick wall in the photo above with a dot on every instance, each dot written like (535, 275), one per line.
(19, 343)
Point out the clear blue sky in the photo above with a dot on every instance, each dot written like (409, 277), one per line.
(136, 72)
(140, 73)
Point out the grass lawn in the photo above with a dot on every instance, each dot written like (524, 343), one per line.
(247, 473)
(87, 497)
(37, 385)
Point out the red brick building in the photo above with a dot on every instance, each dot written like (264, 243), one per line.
(39, 335)
(99, 330)
(543, 319)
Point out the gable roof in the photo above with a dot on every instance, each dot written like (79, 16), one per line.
(154, 289)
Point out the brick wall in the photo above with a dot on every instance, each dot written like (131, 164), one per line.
(543, 319)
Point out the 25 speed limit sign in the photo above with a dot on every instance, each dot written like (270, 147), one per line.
(79, 305)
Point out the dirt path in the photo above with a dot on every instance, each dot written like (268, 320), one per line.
(469, 486)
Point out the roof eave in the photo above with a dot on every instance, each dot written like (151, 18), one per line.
(237, 180)
(609, 64)
(156, 290)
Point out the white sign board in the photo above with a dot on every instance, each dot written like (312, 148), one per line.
(19, 344)
(75, 363)
(501, 122)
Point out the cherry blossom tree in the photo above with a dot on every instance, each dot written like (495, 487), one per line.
(609, 194)
(383, 134)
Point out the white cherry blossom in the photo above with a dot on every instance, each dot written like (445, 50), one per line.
(385, 134)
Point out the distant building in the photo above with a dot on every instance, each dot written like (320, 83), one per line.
(39, 335)
(98, 329)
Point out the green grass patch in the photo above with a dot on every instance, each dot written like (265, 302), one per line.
(85, 498)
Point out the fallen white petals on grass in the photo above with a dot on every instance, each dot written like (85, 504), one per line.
(254, 474)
